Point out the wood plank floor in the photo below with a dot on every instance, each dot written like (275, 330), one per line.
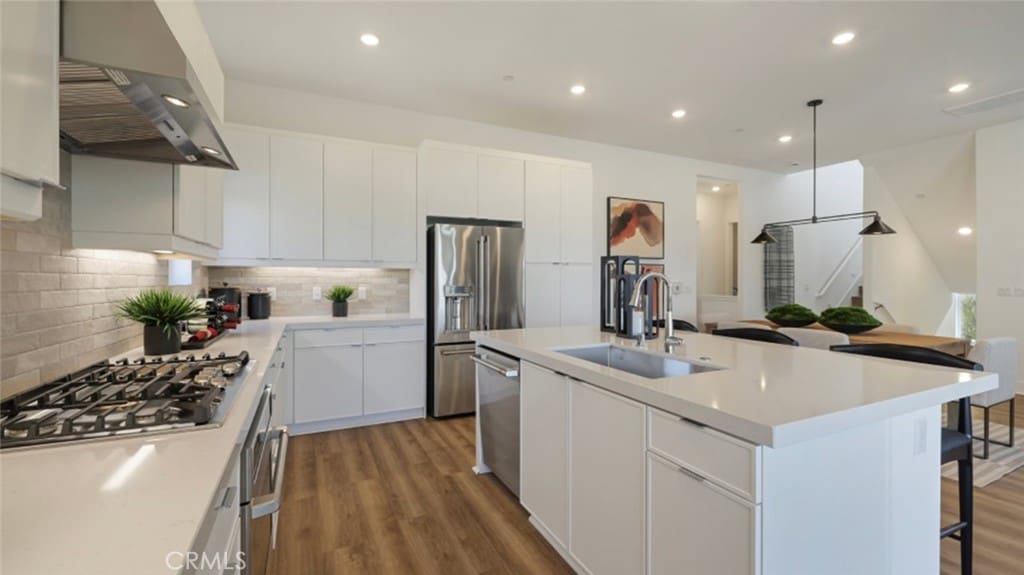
(401, 498)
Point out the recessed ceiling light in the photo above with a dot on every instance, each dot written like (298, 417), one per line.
(957, 88)
(578, 89)
(716, 188)
(785, 139)
(678, 113)
(965, 231)
(211, 151)
(176, 101)
(369, 39)
(843, 38)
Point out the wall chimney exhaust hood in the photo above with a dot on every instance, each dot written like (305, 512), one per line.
(128, 89)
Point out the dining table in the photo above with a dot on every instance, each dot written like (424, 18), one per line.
(951, 345)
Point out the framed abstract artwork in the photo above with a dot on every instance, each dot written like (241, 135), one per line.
(636, 228)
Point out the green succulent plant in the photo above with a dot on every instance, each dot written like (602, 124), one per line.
(162, 308)
(791, 312)
(849, 316)
(339, 293)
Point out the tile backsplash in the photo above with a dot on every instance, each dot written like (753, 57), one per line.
(387, 291)
(57, 303)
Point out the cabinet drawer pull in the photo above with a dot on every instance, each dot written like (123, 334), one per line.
(689, 473)
(689, 421)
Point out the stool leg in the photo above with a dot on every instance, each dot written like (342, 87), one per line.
(966, 489)
(1012, 419)
(984, 440)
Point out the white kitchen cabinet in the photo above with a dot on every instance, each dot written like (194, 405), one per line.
(190, 202)
(247, 196)
(544, 400)
(694, 523)
(394, 205)
(296, 198)
(282, 382)
(577, 216)
(29, 116)
(500, 188)
(348, 201)
(542, 212)
(543, 295)
(393, 376)
(449, 180)
(559, 294)
(577, 294)
(215, 207)
(607, 485)
(328, 382)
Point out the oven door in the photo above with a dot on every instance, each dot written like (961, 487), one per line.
(267, 486)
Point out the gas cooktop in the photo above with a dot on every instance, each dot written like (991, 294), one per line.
(113, 398)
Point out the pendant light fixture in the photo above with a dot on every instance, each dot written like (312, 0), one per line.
(876, 228)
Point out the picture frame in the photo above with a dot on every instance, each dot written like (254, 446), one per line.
(635, 227)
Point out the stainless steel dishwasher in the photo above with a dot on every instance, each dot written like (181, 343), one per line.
(497, 377)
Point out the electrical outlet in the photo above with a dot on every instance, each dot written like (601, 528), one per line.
(677, 288)
(1004, 292)
(317, 293)
(273, 293)
(361, 293)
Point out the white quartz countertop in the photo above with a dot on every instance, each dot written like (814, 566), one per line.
(768, 394)
(121, 505)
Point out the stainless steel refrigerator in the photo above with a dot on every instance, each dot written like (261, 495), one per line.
(474, 282)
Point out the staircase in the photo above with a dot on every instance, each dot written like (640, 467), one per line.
(857, 299)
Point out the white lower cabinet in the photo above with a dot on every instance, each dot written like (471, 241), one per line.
(328, 382)
(544, 428)
(393, 376)
(696, 524)
(607, 486)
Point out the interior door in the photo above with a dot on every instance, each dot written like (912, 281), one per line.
(457, 262)
(503, 278)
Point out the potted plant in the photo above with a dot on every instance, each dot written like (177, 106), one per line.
(339, 297)
(791, 315)
(160, 312)
(848, 319)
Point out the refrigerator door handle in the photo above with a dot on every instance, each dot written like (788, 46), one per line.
(481, 294)
(487, 281)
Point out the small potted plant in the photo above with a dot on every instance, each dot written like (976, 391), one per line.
(160, 312)
(791, 315)
(849, 319)
(339, 297)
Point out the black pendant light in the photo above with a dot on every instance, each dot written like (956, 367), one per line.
(764, 237)
(876, 228)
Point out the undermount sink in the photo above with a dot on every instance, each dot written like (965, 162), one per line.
(635, 361)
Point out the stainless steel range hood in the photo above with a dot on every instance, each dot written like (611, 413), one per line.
(128, 89)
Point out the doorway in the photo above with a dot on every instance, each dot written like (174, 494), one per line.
(718, 257)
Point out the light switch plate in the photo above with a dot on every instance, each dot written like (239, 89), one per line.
(317, 293)
(273, 293)
(361, 292)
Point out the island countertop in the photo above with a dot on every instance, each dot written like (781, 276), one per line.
(767, 394)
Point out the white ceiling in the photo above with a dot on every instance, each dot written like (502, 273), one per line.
(743, 71)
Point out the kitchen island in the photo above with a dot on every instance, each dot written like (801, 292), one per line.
(139, 504)
(763, 459)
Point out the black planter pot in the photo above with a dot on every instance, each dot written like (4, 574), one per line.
(339, 308)
(156, 342)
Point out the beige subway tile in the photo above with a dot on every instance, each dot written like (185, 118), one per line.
(18, 302)
(19, 262)
(19, 383)
(16, 344)
(61, 264)
(29, 242)
(56, 299)
(76, 281)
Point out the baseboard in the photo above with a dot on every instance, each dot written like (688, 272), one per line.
(356, 421)
(562, 551)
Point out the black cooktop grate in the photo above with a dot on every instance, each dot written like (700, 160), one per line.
(122, 397)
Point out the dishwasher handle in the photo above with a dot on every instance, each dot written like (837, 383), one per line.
(508, 371)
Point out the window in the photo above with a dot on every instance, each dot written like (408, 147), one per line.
(966, 307)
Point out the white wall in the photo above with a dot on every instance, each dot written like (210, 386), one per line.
(898, 271)
(617, 171)
(1000, 257)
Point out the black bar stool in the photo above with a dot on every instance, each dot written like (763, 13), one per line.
(757, 334)
(956, 444)
(678, 325)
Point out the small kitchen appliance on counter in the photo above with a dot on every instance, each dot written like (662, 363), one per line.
(258, 305)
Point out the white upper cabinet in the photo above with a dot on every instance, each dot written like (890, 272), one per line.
(449, 180)
(247, 196)
(296, 198)
(142, 191)
(190, 202)
(577, 217)
(543, 212)
(348, 201)
(394, 205)
(29, 116)
(500, 188)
